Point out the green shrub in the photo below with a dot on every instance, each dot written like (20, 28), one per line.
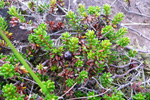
(93, 52)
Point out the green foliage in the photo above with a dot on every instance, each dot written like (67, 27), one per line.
(41, 38)
(43, 7)
(103, 50)
(78, 93)
(107, 9)
(1, 84)
(91, 50)
(9, 91)
(30, 4)
(24, 62)
(123, 41)
(82, 76)
(3, 24)
(2, 3)
(108, 32)
(94, 10)
(79, 63)
(106, 79)
(57, 51)
(34, 96)
(81, 10)
(65, 39)
(54, 68)
(139, 96)
(115, 96)
(91, 55)
(91, 39)
(40, 67)
(15, 12)
(147, 94)
(70, 43)
(92, 94)
(3, 27)
(53, 2)
(132, 53)
(8, 3)
(73, 20)
(116, 37)
(7, 70)
(50, 85)
(118, 18)
(73, 44)
(12, 58)
(69, 82)
(51, 97)
(122, 31)
(42, 77)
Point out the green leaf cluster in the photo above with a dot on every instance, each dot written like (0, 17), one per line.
(9, 91)
(79, 93)
(82, 76)
(53, 2)
(7, 70)
(93, 94)
(50, 85)
(51, 97)
(41, 38)
(69, 82)
(73, 20)
(3, 24)
(40, 67)
(79, 63)
(147, 94)
(132, 53)
(106, 79)
(12, 58)
(123, 41)
(115, 96)
(58, 51)
(2, 3)
(108, 31)
(139, 96)
(15, 12)
(71, 44)
(94, 10)
(91, 39)
(76, 22)
(65, 39)
(81, 10)
(42, 77)
(118, 18)
(107, 9)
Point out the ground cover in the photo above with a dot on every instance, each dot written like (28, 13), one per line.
(75, 50)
